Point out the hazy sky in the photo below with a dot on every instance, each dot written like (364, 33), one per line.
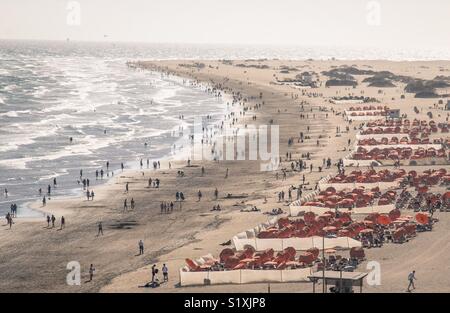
(400, 23)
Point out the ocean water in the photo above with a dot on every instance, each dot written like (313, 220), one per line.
(51, 91)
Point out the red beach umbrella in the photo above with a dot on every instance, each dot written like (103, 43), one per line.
(384, 220)
(422, 218)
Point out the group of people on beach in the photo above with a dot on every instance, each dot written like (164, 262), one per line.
(132, 204)
(155, 282)
(153, 182)
(166, 207)
(52, 220)
(13, 209)
(10, 215)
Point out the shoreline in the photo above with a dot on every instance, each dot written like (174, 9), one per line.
(35, 210)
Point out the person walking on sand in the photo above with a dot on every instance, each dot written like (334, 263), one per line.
(153, 272)
(92, 195)
(125, 205)
(126, 187)
(199, 195)
(88, 195)
(91, 272)
(9, 220)
(48, 221)
(165, 271)
(226, 174)
(141, 247)
(100, 229)
(216, 193)
(132, 203)
(121, 166)
(53, 221)
(411, 278)
(63, 222)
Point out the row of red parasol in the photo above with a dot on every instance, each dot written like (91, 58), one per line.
(393, 141)
(406, 122)
(357, 197)
(429, 178)
(267, 259)
(370, 176)
(250, 259)
(368, 108)
(369, 113)
(397, 153)
(342, 226)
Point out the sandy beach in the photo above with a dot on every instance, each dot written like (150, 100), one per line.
(33, 257)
